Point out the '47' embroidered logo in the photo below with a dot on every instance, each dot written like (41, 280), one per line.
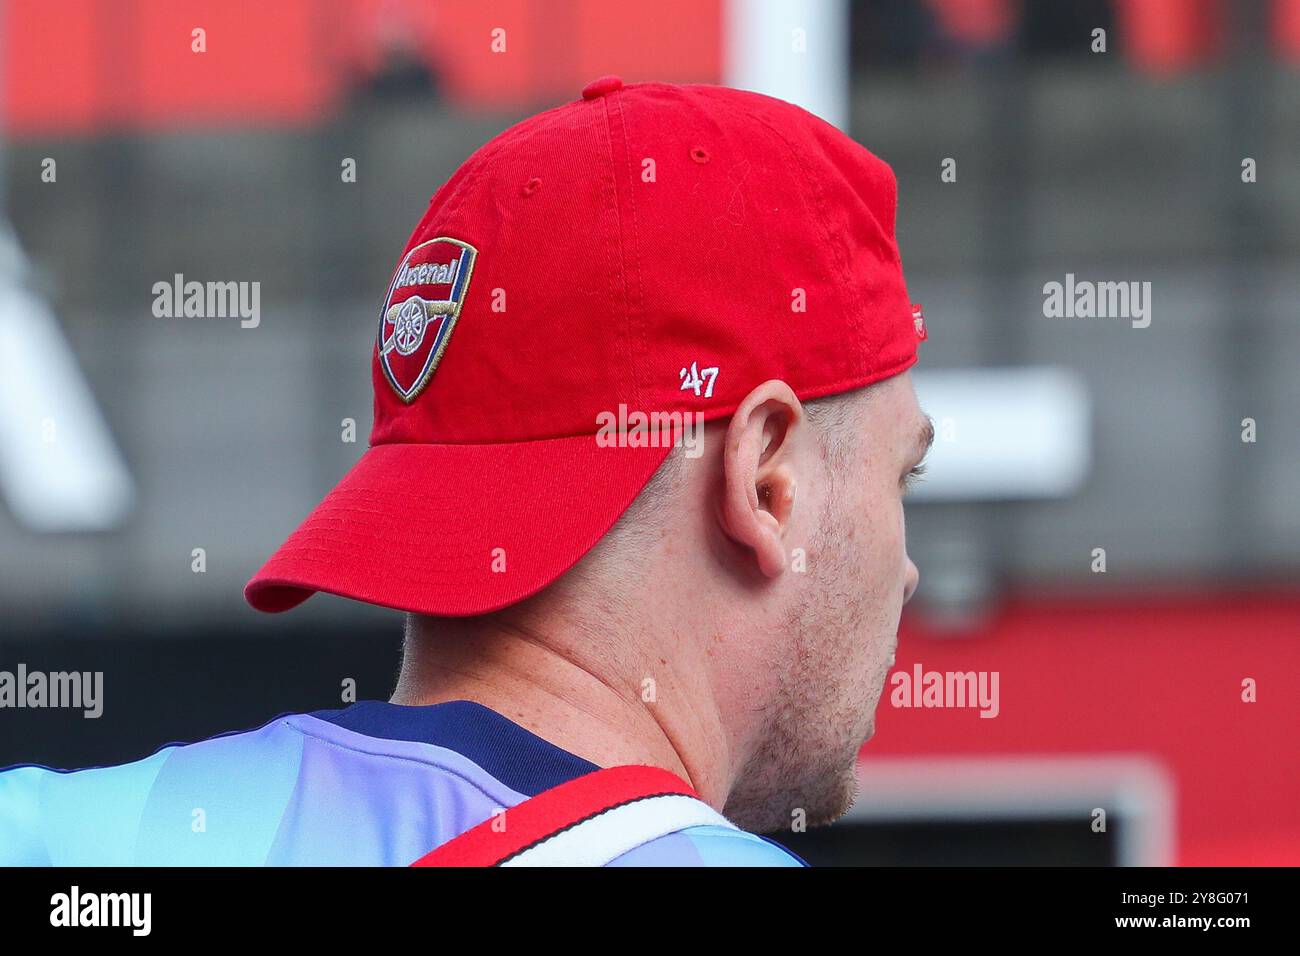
(695, 378)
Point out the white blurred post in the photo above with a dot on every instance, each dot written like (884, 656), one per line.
(795, 50)
(59, 467)
(60, 470)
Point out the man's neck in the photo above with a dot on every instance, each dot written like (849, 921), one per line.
(570, 694)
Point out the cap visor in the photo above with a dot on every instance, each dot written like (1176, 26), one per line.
(456, 529)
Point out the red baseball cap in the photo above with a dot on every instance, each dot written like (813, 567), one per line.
(655, 247)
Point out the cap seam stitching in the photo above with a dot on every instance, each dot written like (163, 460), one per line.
(619, 281)
(486, 153)
(818, 206)
(643, 386)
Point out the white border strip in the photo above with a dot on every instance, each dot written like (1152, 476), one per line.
(597, 841)
(60, 470)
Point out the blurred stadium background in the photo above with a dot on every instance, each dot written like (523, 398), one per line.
(1120, 690)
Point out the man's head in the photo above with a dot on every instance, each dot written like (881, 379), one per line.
(774, 567)
(665, 250)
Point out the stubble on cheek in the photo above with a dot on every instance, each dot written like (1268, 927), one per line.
(877, 568)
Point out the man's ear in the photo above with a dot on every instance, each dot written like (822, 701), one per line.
(760, 467)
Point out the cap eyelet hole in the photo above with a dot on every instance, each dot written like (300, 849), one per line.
(531, 186)
(700, 154)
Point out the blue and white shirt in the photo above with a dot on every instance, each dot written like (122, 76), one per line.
(373, 784)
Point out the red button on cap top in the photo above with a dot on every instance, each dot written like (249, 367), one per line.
(606, 84)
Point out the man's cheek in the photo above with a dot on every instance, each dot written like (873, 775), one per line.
(885, 549)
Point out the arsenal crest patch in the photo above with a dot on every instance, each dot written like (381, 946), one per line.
(420, 312)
